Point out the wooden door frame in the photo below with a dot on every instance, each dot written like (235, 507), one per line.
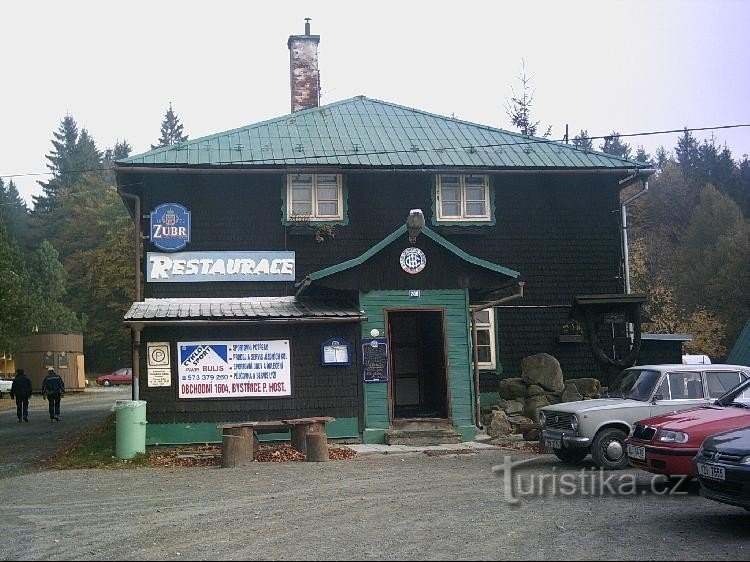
(386, 314)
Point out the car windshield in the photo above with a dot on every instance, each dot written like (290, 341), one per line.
(739, 392)
(636, 384)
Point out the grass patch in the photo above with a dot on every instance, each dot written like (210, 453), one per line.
(94, 449)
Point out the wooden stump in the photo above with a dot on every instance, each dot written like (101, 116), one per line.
(237, 446)
(316, 443)
(299, 438)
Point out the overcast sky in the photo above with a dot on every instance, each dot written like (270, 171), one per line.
(630, 66)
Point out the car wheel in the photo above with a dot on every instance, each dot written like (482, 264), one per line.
(571, 456)
(106, 383)
(608, 449)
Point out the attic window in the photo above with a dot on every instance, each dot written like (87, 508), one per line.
(315, 197)
(463, 197)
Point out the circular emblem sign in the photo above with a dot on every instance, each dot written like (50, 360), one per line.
(413, 260)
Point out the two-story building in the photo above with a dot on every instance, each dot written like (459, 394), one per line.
(359, 260)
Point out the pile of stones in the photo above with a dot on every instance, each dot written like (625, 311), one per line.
(541, 384)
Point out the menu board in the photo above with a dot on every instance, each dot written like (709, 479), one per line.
(374, 360)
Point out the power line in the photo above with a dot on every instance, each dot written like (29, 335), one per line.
(418, 149)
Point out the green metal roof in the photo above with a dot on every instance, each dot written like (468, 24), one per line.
(363, 132)
(740, 354)
(393, 236)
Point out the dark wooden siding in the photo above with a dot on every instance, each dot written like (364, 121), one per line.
(316, 390)
(560, 231)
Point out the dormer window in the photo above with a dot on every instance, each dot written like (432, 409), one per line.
(463, 198)
(315, 197)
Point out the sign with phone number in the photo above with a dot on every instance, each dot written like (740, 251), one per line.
(234, 369)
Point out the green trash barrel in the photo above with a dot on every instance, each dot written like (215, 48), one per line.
(130, 418)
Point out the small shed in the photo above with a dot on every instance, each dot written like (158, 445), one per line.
(62, 352)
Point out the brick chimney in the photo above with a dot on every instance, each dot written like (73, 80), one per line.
(303, 69)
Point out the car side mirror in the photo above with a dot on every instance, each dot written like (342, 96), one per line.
(656, 398)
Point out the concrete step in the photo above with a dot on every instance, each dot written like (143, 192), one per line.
(421, 437)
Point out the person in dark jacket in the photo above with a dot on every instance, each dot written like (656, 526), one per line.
(21, 391)
(53, 388)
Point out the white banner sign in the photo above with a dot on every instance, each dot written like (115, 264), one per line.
(192, 267)
(233, 369)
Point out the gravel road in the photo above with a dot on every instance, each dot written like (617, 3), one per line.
(450, 507)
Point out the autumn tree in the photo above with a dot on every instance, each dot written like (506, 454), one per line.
(714, 260)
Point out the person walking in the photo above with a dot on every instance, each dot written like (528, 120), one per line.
(53, 388)
(21, 391)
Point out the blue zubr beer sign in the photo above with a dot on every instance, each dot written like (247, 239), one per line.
(170, 227)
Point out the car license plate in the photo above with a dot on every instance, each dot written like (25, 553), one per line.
(637, 452)
(711, 471)
(553, 443)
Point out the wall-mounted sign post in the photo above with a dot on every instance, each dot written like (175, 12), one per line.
(374, 360)
(336, 351)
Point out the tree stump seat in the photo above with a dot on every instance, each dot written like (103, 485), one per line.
(308, 437)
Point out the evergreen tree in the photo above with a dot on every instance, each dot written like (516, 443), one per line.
(642, 156)
(120, 151)
(14, 213)
(582, 140)
(47, 280)
(519, 108)
(614, 146)
(687, 153)
(73, 154)
(13, 292)
(662, 157)
(171, 130)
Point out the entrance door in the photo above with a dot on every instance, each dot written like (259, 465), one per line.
(419, 382)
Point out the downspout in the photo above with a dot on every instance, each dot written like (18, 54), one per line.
(137, 201)
(475, 353)
(624, 214)
(625, 253)
(136, 330)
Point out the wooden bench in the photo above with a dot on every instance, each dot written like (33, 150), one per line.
(308, 437)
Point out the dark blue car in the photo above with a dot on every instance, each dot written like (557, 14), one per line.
(723, 468)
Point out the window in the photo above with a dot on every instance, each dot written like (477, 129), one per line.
(721, 382)
(486, 338)
(315, 197)
(686, 386)
(463, 197)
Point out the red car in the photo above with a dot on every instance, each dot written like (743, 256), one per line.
(667, 444)
(120, 376)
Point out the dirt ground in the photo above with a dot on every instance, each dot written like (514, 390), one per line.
(403, 506)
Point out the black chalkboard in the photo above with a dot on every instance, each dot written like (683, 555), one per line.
(374, 360)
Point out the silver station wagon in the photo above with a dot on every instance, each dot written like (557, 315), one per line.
(572, 430)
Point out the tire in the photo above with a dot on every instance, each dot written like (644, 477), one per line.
(106, 383)
(571, 456)
(608, 449)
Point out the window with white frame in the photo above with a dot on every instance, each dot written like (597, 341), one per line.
(485, 323)
(315, 197)
(463, 197)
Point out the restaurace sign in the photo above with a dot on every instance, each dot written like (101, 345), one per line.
(219, 266)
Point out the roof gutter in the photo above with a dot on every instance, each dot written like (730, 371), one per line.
(634, 172)
(140, 324)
